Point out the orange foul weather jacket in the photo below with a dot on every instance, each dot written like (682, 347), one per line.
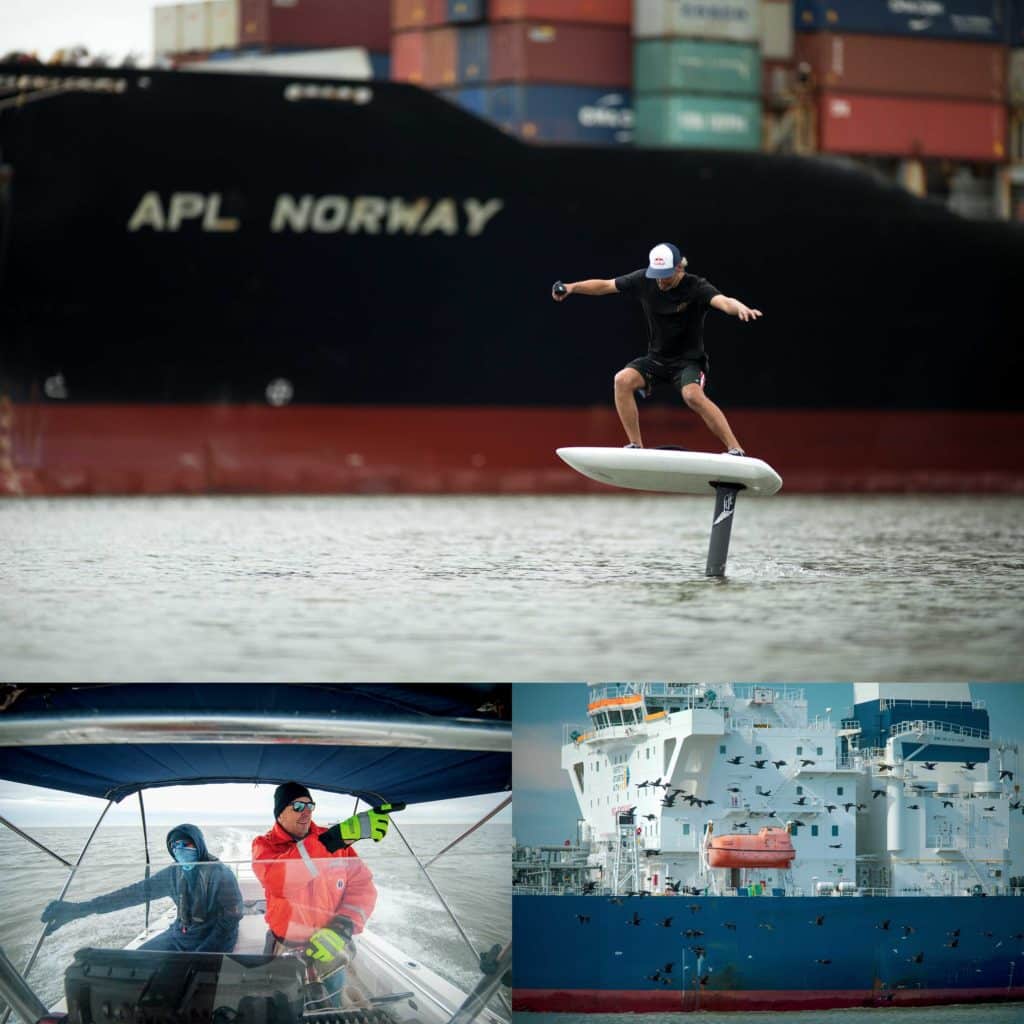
(307, 886)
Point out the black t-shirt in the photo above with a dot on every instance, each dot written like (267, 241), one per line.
(675, 318)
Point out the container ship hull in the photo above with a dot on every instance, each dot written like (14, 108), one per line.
(585, 954)
(239, 282)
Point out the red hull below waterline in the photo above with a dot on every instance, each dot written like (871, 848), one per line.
(63, 448)
(640, 1001)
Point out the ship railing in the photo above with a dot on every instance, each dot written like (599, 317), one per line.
(933, 726)
(889, 703)
(525, 889)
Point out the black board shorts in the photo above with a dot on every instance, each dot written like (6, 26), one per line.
(678, 372)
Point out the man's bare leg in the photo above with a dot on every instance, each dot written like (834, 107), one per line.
(713, 417)
(627, 382)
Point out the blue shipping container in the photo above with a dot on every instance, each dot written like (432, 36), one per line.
(473, 54)
(563, 113)
(1017, 22)
(474, 100)
(380, 66)
(467, 10)
(982, 20)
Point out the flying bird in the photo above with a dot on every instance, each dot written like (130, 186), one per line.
(731, 925)
(834, 846)
(916, 958)
(952, 944)
(885, 924)
(913, 807)
(667, 923)
(692, 933)
(779, 764)
(650, 817)
(969, 765)
(801, 800)
(805, 761)
(636, 920)
(819, 920)
(876, 793)
(734, 760)
(1005, 774)
(930, 765)
(583, 918)
(885, 767)
(733, 789)
(741, 824)
(846, 807)
(947, 803)
(760, 764)
(992, 808)
(830, 808)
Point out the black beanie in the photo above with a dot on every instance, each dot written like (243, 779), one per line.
(286, 793)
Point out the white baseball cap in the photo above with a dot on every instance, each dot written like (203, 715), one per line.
(663, 259)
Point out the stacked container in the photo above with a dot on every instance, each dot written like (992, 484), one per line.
(1014, 193)
(697, 74)
(889, 81)
(224, 28)
(545, 70)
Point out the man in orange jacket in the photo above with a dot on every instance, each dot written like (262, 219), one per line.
(319, 892)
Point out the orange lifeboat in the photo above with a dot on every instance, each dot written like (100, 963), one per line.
(770, 848)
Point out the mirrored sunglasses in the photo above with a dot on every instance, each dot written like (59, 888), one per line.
(302, 805)
(182, 844)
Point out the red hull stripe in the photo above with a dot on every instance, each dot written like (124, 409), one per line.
(627, 1001)
(63, 448)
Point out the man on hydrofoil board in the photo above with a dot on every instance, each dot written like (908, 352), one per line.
(675, 304)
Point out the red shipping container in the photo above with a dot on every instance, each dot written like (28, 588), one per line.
(408, 56)
(417, 13)
(898, 66)
(571, 54)
(315, 23)
(895, 126)
(605, 12)
(440, 60)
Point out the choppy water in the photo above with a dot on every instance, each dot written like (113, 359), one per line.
(988, 1013)
(474, 879)
(397, 588)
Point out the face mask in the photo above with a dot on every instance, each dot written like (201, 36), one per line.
(186, 857)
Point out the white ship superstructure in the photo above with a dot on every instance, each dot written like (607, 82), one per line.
(910, 795)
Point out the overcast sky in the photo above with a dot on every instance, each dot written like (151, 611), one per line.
(545, 811)
(114, 27)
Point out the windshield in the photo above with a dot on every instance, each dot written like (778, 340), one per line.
(392, 953)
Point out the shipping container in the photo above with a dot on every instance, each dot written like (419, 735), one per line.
(315, 23)
(466, 11)
(473, 99)
(778, 83)
(1016, 18)
(982, 20)
(380, 66)
(474, 54)
(604, 12)
(900, 126)
(417, 13)
(223, 24)
(737, 20)
(562, 113)
(539, 52)
(440, 64)
(167, 29)
(408, 56)
(1016, 85)
(777, 29)
(696, 65)
(698, 122)
(898, 66)
(195, 28)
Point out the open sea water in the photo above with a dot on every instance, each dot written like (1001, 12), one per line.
(398, 588)
(474, 879)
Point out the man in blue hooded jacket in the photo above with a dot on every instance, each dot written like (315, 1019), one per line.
(205, 892)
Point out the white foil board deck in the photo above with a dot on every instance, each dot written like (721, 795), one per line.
(674, 472)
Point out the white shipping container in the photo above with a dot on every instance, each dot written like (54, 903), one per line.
(195, 28)
(777, 29)
(1017, 76)
(736, 20)
(223, 24)
(166, 30)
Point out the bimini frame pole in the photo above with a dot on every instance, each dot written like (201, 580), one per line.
(67, 884)
(17, 993)
(721, 528)
(145, 842)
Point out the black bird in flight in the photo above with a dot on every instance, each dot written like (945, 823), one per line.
(801, 800)
(741, 824)
(779, 764)
(636, 920)
(583, 918)
(667, 923)
(885, 767)
(952, 944)
(955, 933)
(650, 817)
(1005, 774)
(692, 933)
(760, 764)
(805, 761)
(734, 760)
(588, 888)
(830, 808)
(969, 765)
(846, 807)
(733, 789)
(930, 765)
(667, 969)
(917, 958)
(876, 793)
(731, 925)
(947, 803)
(913, 807)
(992, 808)
(703, 980)
(885, 924)
(819, 920)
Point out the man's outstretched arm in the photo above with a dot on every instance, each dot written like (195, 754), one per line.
(733, 307)
(592, 286)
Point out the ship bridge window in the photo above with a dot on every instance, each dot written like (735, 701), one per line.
(615, 717)
(819, 751)
(799, 790)
(757, 750)
(814, 830)
(835, 830)
(722, 749)
(799, 751)
(686, 828)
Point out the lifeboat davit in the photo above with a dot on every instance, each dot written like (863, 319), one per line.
(770, 848)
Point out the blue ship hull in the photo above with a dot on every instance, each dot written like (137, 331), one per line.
(597, 954)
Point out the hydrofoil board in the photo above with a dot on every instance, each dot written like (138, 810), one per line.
(672, 471)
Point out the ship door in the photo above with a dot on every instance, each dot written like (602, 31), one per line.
(734, 878)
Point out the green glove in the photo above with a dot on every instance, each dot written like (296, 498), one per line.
(371, 824)
(326, 951)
